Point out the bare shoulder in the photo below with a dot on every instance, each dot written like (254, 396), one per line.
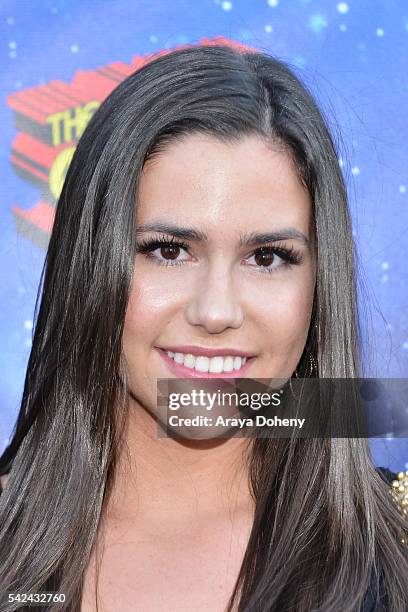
(3, 481)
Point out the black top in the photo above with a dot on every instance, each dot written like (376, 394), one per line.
(369, 603)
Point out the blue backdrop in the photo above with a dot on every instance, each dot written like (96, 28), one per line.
(60, 59)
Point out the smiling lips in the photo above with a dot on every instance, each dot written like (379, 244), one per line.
(196, 361)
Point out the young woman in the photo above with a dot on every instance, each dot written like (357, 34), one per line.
(203, 228)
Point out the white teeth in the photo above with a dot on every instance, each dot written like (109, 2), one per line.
(215, 365)
(189, 361)
(228, 364)
(201, 364)
(237, 363)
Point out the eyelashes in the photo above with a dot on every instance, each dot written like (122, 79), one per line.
(148, 246)
(289, 256)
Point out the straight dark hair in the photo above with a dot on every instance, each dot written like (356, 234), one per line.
(324, 519)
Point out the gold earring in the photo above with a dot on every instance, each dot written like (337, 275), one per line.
(312, 361)
(312, 365)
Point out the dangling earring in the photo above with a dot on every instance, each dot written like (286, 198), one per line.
(312, 365)
(312, 361)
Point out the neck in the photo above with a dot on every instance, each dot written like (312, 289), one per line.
(165, 481)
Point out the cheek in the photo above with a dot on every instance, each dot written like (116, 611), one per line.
(150, 307)
(286, 317)
(149, 310)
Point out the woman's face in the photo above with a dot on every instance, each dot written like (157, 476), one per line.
(230, 289)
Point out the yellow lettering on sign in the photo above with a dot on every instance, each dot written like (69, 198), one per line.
(59, 169)
(69, 125)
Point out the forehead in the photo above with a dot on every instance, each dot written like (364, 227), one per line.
(203, 180)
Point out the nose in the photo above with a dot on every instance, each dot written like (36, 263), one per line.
(216, 303)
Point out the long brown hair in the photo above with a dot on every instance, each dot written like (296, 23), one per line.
(323, 518)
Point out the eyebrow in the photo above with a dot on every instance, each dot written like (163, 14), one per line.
(251, 239)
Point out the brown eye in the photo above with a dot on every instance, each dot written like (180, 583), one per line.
(170, 251)
(264, 258)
